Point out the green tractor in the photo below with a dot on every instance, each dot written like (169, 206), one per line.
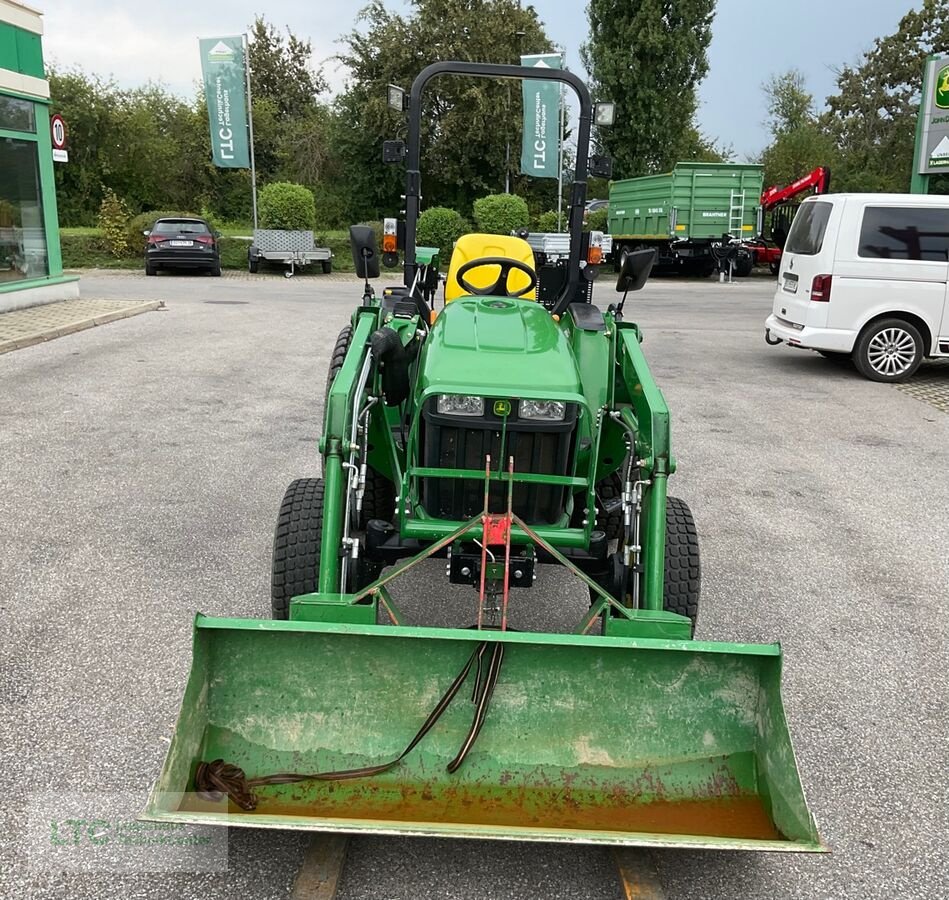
(499, 433)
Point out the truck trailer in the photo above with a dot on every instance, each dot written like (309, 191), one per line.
(687, 215)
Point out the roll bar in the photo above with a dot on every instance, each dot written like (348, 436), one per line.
(413, 177)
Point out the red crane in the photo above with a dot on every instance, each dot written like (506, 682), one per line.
(767, 251)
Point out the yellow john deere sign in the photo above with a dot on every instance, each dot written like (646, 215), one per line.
(942, 88)
(932, 137)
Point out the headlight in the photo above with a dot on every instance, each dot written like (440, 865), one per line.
(457, 405)
(542, 410)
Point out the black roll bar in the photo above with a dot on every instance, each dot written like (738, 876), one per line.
(413, 177)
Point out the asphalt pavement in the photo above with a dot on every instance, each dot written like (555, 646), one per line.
(141, 466)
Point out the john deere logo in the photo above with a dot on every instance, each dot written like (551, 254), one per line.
(502, 407)
(220, 52)
(942, 88)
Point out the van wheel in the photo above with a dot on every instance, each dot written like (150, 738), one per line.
(889, 350)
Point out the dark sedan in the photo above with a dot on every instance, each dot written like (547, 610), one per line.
(182, 244)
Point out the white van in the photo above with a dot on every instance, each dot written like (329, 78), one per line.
(866, 275)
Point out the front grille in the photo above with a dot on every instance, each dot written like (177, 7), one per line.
(538, 448)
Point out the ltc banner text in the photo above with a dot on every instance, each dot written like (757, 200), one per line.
(540, 153)
(222, 64)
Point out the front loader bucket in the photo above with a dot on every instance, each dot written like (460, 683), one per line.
(587, 739)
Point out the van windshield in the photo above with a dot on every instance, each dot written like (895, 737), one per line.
(807, 232)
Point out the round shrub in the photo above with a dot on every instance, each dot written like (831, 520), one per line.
(440, 227)
(286, 206)
(597, 220)
(501, 214)
(547, 222)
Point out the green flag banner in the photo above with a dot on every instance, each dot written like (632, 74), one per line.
(540, 152)
(222, 64)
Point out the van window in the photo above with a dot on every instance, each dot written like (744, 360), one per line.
(807, 231)
(896, 232)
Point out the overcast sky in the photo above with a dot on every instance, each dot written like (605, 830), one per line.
(751, 41)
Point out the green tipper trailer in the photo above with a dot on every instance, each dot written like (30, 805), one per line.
(684, 212)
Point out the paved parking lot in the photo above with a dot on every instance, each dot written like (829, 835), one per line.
(141, 465)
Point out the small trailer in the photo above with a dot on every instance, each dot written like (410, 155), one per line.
(552, 255)
(288, 248)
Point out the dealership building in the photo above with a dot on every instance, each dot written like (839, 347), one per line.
(31, 265)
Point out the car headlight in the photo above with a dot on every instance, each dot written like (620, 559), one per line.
(542, 410)
(459, 405)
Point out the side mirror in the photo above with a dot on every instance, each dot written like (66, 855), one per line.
(362, 240)
(635, 270)
(146, 232)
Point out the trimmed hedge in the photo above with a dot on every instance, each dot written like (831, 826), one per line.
(546, 222)
(441, 227)
(597, 220)
(501, 214)
(287, 206)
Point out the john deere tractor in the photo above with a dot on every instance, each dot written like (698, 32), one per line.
(501, 427)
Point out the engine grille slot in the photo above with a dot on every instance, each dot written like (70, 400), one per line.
(538, 448)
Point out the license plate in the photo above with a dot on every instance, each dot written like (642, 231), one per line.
(181, 243)
(790, 283)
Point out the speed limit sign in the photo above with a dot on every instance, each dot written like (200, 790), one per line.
(57, 129)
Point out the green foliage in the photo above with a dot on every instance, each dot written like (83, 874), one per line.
(440, 227)
(597, 220)
(799, 143)
(468, 122)
(649, 57)
(546, 221)
(872, 118)
(280, 72)
(113, 220)
(287, 206)
(501, 213)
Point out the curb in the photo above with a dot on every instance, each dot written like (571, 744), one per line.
(81, 325)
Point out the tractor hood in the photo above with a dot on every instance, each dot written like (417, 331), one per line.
(498, 346)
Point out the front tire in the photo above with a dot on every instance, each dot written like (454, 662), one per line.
(889, 350)
(296, 546)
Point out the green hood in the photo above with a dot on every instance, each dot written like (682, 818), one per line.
(501, 347)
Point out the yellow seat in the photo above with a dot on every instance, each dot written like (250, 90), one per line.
(478, 246)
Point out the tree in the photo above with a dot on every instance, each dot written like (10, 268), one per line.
(280, 70)
(467, 123)
(799, 143)
(648, 57)
(872, 118)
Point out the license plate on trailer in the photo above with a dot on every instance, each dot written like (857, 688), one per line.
(181, 243)
(790, 283)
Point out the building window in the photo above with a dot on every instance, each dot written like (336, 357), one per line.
(22, 232)
(17, 115)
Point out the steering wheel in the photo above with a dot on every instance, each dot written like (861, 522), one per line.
(500, 287)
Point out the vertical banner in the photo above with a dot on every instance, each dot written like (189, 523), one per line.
(222, 65)
(932, 144)
(540, 152)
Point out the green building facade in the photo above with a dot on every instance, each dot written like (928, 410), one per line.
(31, 267)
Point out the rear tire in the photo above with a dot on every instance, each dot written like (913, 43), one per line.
(253, 264)
(327, 265)
(744, 265)
(150, 269)
(216, 271)
(889, 350)
(296, 547)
